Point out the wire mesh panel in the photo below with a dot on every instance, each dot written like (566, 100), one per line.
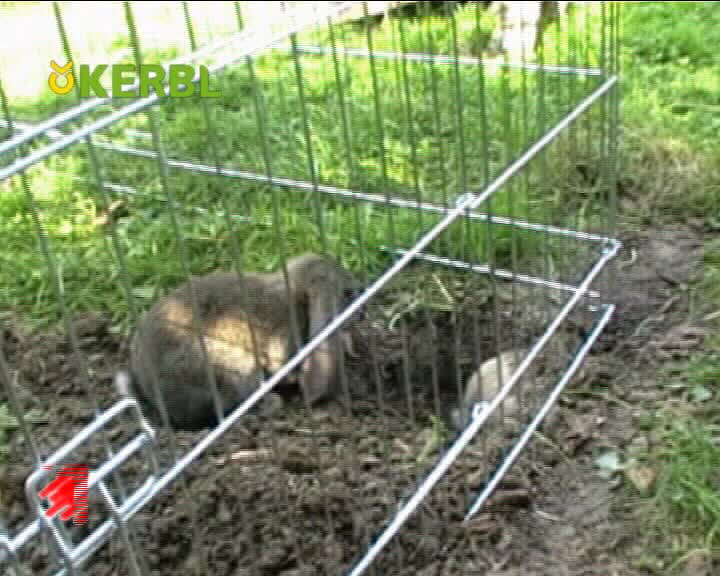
(306, 321)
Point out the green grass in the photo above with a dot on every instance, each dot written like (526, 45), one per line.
(688, 493)
(435, 161)
(671, 106)
(711, 277)
(671, 118)
(686, 503)
(688, 489)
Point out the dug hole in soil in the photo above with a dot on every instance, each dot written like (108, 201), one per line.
(307, 494)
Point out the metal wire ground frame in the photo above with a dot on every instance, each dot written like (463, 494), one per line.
(464, 202)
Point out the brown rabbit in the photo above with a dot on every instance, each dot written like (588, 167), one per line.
(248, 335)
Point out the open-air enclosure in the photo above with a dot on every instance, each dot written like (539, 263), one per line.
(466, 181)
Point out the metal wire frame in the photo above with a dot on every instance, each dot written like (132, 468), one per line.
(240, 45)
(246, 49)
(468, 203)
(450, 59)
(481, 413)
(143, 441)
(465, 205)
(349, 195)
(76, 555)
(249, 46)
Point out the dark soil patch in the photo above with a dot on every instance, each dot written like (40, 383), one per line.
(305, 494)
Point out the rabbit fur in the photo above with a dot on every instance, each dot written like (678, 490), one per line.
(247, 333)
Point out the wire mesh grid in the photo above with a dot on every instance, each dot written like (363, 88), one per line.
(470, 196)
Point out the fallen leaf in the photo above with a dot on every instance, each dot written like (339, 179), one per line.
(642, 477)
(518, 498)
(7, 420)
(609, 464)
(116, 210)
(481, 524)
(697, 563)
(36, 416)
(547, 516)
(580, 430)
(700, 394)
(144, 291)
(252, 456)
(401, 446)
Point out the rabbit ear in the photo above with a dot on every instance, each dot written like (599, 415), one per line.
(320, 368)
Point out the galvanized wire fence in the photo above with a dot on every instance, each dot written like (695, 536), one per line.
(470, 196)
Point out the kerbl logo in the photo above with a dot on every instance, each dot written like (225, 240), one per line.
(63, 78)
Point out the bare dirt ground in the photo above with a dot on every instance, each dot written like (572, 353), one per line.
(292, 499)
